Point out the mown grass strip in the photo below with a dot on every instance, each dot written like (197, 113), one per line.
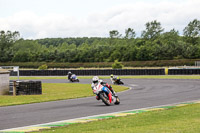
(184, 119)
(53, 92)
(137, 111)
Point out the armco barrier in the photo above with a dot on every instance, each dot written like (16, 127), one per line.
(90, 72)
(184, 71)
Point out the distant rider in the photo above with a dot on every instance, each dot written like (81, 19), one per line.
(114, 78)
(69, 75)
(96, 80)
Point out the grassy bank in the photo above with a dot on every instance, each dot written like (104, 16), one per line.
(107, 77)
(53, 92)
(176, 120)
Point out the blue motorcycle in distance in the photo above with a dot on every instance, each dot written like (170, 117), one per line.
(74, 78)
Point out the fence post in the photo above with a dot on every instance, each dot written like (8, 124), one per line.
(166, 71)
(14, 88)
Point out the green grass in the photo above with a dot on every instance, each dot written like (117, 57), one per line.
(122, 77)
(53, 92)
(176, 120)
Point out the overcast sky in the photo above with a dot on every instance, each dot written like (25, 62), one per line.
(36, 19)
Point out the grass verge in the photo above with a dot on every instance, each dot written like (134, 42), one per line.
(175, 120)
(107, 77)
(53, 92)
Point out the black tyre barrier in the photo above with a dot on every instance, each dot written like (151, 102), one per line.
(27, 87)
(184, 71)
(90, 72)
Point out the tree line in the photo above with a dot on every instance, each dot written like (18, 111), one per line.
(153, 44)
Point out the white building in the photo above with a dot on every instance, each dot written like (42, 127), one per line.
(4, 82)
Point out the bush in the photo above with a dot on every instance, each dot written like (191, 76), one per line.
(43, 67)
(117, 65)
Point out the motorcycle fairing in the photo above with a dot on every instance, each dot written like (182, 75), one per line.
(105, 89)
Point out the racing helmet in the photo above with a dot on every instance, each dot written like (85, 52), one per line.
(69, 72)
(111, 75)
(95, 79)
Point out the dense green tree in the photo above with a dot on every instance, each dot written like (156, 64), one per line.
(154, 44)
(129, 33)
(7, 39)
(22, 56)
(114, 34)
(153, 30)
(144, 53)
(168, 42)
(192, 31)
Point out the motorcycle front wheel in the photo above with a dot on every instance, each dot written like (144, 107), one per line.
(117, 101)
(104, 98)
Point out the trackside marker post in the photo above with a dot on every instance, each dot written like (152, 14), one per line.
(14, 88)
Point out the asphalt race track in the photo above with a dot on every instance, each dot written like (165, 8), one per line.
(144, 93)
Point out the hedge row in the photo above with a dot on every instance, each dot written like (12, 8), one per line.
(160, 63)
(57, 64)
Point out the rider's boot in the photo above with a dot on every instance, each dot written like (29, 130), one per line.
(113, 92)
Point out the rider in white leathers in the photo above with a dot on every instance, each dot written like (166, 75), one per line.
(96, 80)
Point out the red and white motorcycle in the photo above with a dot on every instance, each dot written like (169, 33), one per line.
(105, 94)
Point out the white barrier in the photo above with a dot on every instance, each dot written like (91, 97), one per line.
(4, 82)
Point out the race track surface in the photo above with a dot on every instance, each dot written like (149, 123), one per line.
(144, 93)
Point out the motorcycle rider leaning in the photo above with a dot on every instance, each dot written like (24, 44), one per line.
(69, 75)
(96, 80)
(114, 78)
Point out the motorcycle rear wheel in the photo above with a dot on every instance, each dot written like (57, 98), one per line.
(121, 82)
